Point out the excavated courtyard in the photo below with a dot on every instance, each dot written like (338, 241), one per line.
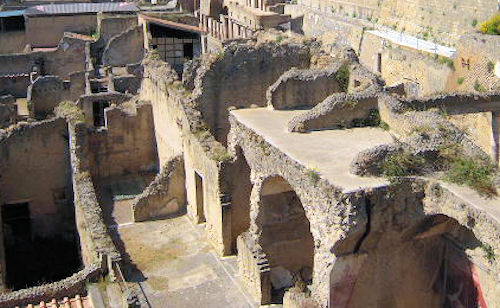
(176, 266)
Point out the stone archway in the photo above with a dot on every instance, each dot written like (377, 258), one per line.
(286, 238)
(279, 240)
(424, 265)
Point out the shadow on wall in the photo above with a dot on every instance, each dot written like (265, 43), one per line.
(393, 265)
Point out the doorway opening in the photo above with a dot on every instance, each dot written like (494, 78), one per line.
(200, 202)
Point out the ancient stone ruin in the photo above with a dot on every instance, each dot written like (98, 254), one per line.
(291, 154)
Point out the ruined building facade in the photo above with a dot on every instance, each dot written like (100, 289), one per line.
(247, 153)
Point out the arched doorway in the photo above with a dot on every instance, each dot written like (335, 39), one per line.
(424, 265)
(241, 187)
(285, 237)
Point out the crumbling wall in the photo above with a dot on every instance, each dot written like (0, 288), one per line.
(95, 242)
(8, 111)
(44, 94)
(340, 111)
(228, 80)
(127, 84)
(71, 286)
(302, 88)
(126, 145)
(111, 25)
(125, 48)
(85, 102)
(180, 129)
(68, 57)
(166, 195)
(35, 166)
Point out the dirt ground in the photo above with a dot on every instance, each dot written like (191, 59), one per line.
(176, 266)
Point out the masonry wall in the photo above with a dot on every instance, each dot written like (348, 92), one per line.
(125, 48)
(12, 42)
(440, 19)
(68, 57)
(35, 168)
(427, 75)
(47, 31)
(125, 146)
(8, 111)
(475, 63)
(111, 25)
(231, 80)
(175, 134)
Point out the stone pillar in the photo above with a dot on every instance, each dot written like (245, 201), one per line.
(230, 28)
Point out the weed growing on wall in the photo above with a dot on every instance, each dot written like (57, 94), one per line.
(478, 87)
(460, 80)
(313, 176)
(473, 172)
(491, 26)
(342, 77)
(401, 164)
(489, 253)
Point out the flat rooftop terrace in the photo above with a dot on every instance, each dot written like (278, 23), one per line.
(330, 152)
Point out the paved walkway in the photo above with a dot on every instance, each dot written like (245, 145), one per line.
(330, 152)
(177, 267)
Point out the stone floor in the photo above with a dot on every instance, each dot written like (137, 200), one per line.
(330, 152)
(176, 266)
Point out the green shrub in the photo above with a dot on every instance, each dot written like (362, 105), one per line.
(473, 172)
(489, 253)
(402, 164)
(384, 125)
(279, 39)
(478, 87)
(460, 80)
(313, 176)
(474, 22)
(342, 77)
(446, 61)
(491, 26)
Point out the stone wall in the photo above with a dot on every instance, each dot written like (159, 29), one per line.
(228, 80)
(302, 88)
(69, 56)
(180, 129)
(360, 231)
(440, 20)
(125, 48)
(24, 177)
(165, 196)
(12, 42)
(475, 63)
(85, 102)
(110, 25)
(95, 242)
(127, 84)
(8, 111)
(126, 145)
(44, 94)
(47, 31)
(339, 111)
(71, 286)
